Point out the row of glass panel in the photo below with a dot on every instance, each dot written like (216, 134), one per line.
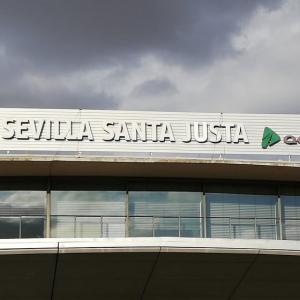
(221, 213)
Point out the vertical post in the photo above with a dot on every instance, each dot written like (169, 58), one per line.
(279, 235)
(48, 210)
(101, 222)
(20, 227)
(48, 214)
(153, 228)
(127, 214)
(230, 236)
(179, 226)
(203, 214)
(255, 228)
(75, 221)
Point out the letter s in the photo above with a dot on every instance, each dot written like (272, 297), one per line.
(109, 130)
(9, 130)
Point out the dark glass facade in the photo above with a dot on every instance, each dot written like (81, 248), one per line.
(120, 207)
(22, 214)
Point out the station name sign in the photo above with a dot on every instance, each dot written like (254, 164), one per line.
(116, 130)
(47, 129)
(200, 132)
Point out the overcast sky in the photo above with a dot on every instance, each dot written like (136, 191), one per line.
(166, 55)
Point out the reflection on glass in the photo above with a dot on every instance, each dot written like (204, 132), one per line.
(63, 227)
(32, 227)
(164, 213)
(22, 203)
(190, 227)
(243, 216)
(141, 226)
(22, 214)
(9, 228)
(113, 227)
(166, 227)
(88, 213)
(291, 213)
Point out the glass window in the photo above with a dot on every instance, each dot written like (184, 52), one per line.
(22, 214)
(290, 199)
(235, 212)
(160, 213)
(9, 227)
(88, 213)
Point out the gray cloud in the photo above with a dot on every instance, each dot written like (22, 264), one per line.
(91, 54)
(18, 95)
(155, 87)
(66, 34)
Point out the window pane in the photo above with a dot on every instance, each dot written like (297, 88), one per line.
(30, 205)
(164, 213)
(166, 227)
(22, 203)
(190, 227)
(88, 213)
(290, 199)
(63, 227)
(33, 227)
(9, 228)
(141, 226)
(242, 214)
(114, 227)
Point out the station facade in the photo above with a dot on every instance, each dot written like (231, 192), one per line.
(148, 205)
(94, 174)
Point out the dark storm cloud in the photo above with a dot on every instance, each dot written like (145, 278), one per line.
(155, 87)
(67, 34)
(43, 43)
(16, 95)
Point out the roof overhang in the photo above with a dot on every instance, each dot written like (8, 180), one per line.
(148, 167)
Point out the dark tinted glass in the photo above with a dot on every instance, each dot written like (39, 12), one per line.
(9, 228)
(22, 214)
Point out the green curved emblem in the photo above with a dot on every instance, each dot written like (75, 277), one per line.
(270, 138)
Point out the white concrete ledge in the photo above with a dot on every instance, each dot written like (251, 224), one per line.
(179, 245)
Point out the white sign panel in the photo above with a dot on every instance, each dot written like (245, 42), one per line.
(94, 132)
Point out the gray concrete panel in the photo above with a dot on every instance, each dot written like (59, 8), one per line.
(271, 277)
(109, 276)
(194, 275)
(144, 269)
(26, 276)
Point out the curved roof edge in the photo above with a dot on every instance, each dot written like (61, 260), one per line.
(178, 245)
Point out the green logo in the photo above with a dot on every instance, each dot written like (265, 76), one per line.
(270, 138)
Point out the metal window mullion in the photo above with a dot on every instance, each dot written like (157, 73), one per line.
(279, 212)
(204, 214)
(127, 214)
(20, 227)
(48, 213)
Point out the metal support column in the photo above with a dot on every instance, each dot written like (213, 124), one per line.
(279, 217)
(48, 213)
(127, 214)
(20, 227)
(203, 219)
